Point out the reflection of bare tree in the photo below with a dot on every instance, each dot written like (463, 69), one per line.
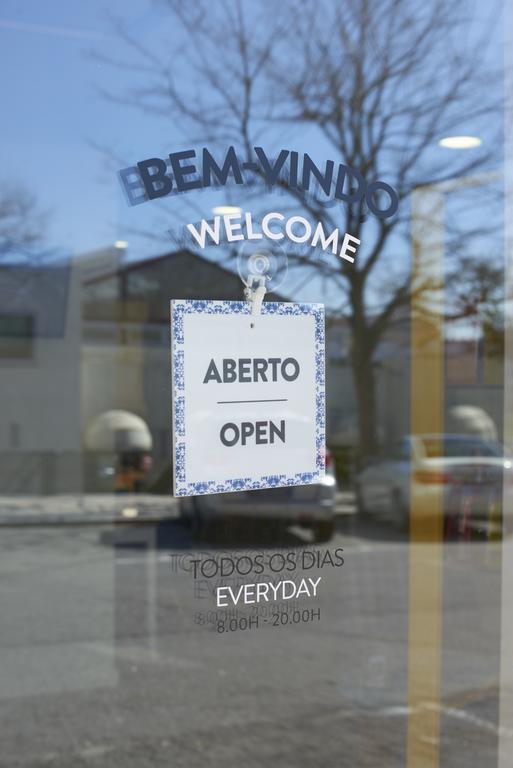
(21, 226)
(375, 83)
(477, 292)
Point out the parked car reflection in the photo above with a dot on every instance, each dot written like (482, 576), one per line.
(466, 471)
(310, 506)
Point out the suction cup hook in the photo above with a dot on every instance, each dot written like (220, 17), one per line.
(255, 295)
(263, 265)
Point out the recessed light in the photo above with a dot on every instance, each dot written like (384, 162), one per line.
(121, 244)
(224, 210)
(460, 142)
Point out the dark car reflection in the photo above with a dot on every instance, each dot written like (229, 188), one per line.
(310, 506)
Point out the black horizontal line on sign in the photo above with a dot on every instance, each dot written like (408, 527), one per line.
(274, 400)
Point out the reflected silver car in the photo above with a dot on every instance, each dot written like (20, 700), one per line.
(465, 470)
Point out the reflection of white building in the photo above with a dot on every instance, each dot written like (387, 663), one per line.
(83, 339)
(40, 376)
(40, 373)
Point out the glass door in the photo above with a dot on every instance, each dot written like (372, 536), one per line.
(322, 578)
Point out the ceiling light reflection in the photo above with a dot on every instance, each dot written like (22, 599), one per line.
(460, 142)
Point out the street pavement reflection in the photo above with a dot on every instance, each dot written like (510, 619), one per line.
(106, 661)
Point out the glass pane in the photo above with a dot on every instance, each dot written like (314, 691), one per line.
(353, 154)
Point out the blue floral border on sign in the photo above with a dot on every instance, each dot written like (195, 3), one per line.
(179, 308)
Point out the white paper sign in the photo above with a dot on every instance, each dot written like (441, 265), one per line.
(248, 395)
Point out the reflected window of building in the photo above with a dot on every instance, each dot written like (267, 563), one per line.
(16, 335)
